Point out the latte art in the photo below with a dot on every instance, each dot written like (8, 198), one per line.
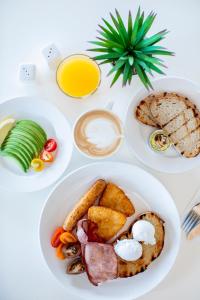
(98, 133)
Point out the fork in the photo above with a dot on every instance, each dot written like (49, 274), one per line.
(191, 220)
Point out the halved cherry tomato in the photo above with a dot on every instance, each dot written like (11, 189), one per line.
(67, 237)
(59, 252)
(55, 240)
(50, 145)
(37, 164)
(46, 156)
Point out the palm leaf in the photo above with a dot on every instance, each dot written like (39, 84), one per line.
(159, 52)
(117, 74)
(144, 66)
(140, 73)
(100, 50)
(112, 30)
(117, 66)
(155, 68)
(109, 34)
(107, 56)
(152, 40)
(126, 73)
(121, 26)
(110, 44)
(151, 59)
(130, 25)
(106, 61)
(145, 27)
(135, 27)
(119, 30)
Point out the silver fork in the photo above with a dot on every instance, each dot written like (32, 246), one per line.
(190, 220)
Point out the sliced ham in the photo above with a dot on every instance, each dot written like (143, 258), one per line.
(87, 232)
(101, 262)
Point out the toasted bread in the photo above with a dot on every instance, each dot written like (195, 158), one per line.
(165, 106)
(115, 198)
(108, 220)
(143, 113)
(84, 204)
(150, 252)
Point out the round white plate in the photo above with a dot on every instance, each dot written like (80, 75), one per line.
(137, 134)
(55, 125)
(146, 192)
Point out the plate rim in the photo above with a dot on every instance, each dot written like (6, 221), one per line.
(41, 99)
(99, 297)
(132, 150)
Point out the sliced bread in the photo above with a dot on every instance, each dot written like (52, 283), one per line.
(184, 130)
(143, 113)
(190, 145)
(166, 106)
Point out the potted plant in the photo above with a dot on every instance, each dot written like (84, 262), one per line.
(128, 49)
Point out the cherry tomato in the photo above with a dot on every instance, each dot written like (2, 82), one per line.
(59, 252)
(37, 164)
(50, 145)
(46, 156)
(55, 240)
(67, 237)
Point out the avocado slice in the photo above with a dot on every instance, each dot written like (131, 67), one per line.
(29, 137)
(33, 131)
(17, 157)
(23, 138)
(18, 145)
(15, 141)
(20, 153)
(35, 125)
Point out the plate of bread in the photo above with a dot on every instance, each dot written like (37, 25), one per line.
(109, 230)
(172, 110)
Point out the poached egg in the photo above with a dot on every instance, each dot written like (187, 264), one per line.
(128, 250)
(144, 231)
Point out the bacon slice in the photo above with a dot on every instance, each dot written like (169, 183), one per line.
(87, 232)
(101, 262)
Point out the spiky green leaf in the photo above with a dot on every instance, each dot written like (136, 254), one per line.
(135, 27)
(140, 73)
(152, 40)
(145, 27)
(155, 68)
(117, 74)
(117, 66)
(107, 56)
(131, 60)
(130, 25)
(127, 69)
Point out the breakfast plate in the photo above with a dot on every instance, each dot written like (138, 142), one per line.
(147, 194)
(36, 121)
(137, 134)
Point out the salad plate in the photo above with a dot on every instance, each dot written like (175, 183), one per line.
(54, 125)
(138, 134)
(147, 194)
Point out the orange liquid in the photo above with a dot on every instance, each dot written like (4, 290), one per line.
(78, 76)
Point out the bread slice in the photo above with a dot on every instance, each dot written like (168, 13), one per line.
(179, 121)
(143, 113)
(115, 198)
(190, 145)
(184, 130)
(150, 252)
(144, 118)
(166, 106)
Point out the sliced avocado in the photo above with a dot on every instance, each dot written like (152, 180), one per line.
(20, 153)
(33, 124)
(17, 157)
(13, 141)
(17, 145)
(33, 131)
(29, 137)
(21, 137)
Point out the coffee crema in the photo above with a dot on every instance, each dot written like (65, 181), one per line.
(98, 133)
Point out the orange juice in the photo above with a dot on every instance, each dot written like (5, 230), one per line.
(78, 76)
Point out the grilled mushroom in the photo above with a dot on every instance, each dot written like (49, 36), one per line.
(76, 266)
(71, 250)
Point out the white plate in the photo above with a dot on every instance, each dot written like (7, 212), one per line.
(55, 125)
(137, 134)
(146, 192)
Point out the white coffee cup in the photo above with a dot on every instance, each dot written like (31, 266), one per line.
(93, 130)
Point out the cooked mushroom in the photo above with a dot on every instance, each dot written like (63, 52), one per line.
(76, 266)
(71, 250)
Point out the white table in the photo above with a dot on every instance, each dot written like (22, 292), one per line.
(25, 28)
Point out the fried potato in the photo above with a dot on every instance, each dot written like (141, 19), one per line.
(83, 205)
(108, 220)
(114, 198)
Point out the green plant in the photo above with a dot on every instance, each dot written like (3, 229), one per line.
(128, 49)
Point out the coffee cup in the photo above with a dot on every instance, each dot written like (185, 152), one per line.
(98, 133)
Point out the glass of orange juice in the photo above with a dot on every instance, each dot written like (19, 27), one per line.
(78, 76)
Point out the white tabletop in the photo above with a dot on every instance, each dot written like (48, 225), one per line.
(25, 28)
